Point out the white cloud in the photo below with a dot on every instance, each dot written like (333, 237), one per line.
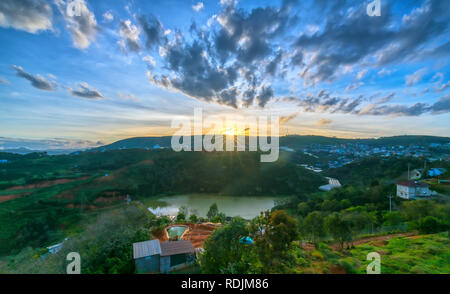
(130, 34)
(4, 81)
(198, 6)
(107, 16)
(149, 60)
(416, 77)
(361, 74)
(83, 28)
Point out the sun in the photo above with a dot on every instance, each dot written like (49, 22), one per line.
(229, 131)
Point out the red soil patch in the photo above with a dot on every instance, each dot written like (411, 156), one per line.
(108, 200)
(196, 233)
(65, 195)
(376, 241)
(415, 237)
(85, 207)
(337, 269)
(45, 184)
(13, 196)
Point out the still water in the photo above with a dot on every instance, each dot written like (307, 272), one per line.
(244, 206)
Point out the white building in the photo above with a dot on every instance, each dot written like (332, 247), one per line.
(412, 190)
(332, 184)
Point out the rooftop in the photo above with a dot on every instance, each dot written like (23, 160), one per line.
(146, 248)
(413, 184)
(176, 247)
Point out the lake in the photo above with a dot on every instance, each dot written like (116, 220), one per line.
(244, 206)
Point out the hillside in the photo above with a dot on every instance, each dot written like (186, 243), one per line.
(293, 141)
(42, 196)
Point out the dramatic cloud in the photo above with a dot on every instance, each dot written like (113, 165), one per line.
(350, 37)
(37, 81)
(323, 102)
(228, 64)
(86, 91)
(27, 15)
(198, 6)
(83, 27)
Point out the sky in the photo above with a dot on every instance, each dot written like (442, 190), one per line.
(101, 71)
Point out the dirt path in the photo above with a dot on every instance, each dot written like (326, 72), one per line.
(378, 241)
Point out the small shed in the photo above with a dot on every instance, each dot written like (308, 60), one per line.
(146, 256)
(154, 256)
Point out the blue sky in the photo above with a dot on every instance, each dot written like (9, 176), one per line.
(121, 69)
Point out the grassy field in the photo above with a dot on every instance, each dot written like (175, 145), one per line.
(420, 254)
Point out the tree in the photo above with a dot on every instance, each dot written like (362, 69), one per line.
(338, 228)
(223, 249)
(357, 220)
(313, 226)
(184, 210)
(219, 218)
(282, 230)
(430, 225)
(303, 208)
(181, 217)
(193, 218)
(393, 218)
(213, 211)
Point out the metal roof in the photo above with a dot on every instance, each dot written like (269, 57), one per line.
(176, 247)
(146, 248)
(413, 184)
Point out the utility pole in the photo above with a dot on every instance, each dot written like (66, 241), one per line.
(408, 172)
(390, 203)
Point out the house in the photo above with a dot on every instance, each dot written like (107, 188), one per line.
(412, 190)
(154, 256)
(435, 172)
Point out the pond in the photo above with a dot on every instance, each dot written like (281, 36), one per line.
(176, 231)
(244, 206)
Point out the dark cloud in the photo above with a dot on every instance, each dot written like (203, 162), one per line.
(351, 37)
(209, 66)
(265, 95)
(152, 29)
(240, 51)
(86, 91)
(27, 15)
(323, 102)
(37, 81)
(441, 106)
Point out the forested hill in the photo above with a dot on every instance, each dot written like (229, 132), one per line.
(293, 141)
